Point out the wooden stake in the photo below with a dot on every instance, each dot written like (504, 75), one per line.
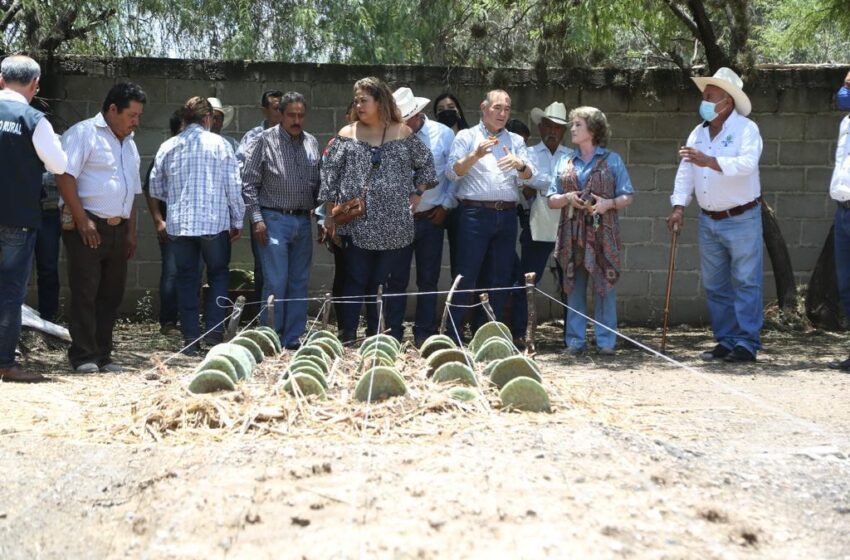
(233, 324)
(270, 311)
(448, 301)
(379, 300)
(326, 316)
(670, 272)
(531, 330)
(485, 301)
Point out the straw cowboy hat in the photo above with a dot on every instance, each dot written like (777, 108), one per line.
(227, 111)
(728, 81)
(409, 105)
(556, 112)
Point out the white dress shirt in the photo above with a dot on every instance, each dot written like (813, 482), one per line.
(106, 169)
(737, 149)
(544, 163)
(484, 180)
(839, 187)
(44, 140)
(438, 137)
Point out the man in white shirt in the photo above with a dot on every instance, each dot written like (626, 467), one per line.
(28, 145)
(99, 222)
(486, 162)
(429, 223)
(536, 249)
(720, 166)
(839, 191)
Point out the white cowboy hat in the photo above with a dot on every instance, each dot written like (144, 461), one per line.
(408, 105)
(556, 112)
(728, 81)
(227, 110)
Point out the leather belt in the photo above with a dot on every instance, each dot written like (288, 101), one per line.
(736, 211)
(422, 215)
(287, 212)
(843, 204)
(491, 204)
(113, 221)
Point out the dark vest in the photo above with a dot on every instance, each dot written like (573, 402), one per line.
(20, 166)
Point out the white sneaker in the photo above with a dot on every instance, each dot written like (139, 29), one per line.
(111, 367)
(88, 367)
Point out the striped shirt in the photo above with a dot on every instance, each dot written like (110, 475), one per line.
(247, 142)
(281, 172)
(106, 169)
(197, 175)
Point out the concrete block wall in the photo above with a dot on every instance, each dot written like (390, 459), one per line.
(651, 113)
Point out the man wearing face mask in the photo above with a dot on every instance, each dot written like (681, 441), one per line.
(720, 166)
(839, 190)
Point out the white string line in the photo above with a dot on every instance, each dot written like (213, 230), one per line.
(468, 358)
(754, 399)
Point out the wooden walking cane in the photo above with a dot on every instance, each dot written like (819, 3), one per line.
(669, 286)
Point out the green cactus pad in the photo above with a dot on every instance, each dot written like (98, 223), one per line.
(309, 350)
(316, 335)
(210, 381)
(488, 369)
(306, 369)
(387, 383)
(239, 352)
(219, 363)
(488, 331)
(317, 362)
(263, 340)
(383, 338)
(465, 394)
(455, 371)
(272, 335)
(524, 393)
(307, 384)
(369, 361)
(251, 346)
(333, 350)
(434, 343)
(370, 347)
(513, 367)
(494, 349)
(441, 357)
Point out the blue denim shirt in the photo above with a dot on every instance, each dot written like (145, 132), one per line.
(623, 184)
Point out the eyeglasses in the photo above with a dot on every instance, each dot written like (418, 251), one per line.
(376, 156)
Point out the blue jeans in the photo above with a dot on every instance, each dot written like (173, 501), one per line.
(47, 264)
(365, 270)
(486, 248)
(842, 256)
(286, 261)
(535, 255)
(167, 284)
(731, 263)
(604, 311)
(215, 251)
(259, 280)
(16, 249)
(428, 248)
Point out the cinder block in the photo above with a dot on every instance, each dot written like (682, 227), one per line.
(147, 275)
(642, 177)
(177, 92)
(68, 113)
(648, 205)
(239, 93)
(625, 125)
(822, 127)
(804, 153)
(646, 100)
(321, 121)
(814, 232)
(633, 283)
(636, 231)
(802, 206)
(790, 228)
(85, 88)
(147, 250)
(332, 95)
(148, 141)
(154, 88)
(805, 99)
(157, 115)
(608, 100)
(818, 179)
(676, 126)
(665, 178)
(804, 258)
(653, 151)
(621, 147)
(782, 179)
(764, 100)
(770, 153)
(645, 257)
(780, 127)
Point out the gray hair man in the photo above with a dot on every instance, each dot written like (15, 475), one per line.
(28, 145)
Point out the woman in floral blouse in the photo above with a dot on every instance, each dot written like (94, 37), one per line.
(379, 159)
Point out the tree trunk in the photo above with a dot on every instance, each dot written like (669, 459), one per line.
(780, 260)
(822, 306)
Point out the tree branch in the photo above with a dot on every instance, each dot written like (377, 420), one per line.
(64, 29)
(11, 12)
(683, 17)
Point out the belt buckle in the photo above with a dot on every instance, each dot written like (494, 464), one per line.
(114, 221)
(498, 205)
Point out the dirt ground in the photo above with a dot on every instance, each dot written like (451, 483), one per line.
(641, 458)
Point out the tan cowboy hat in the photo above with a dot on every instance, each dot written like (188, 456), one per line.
(728, 81)
(409, 105)
(225, 110)
(556, 112)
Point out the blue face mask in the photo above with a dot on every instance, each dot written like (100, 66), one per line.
(842, 98)
(707, 112)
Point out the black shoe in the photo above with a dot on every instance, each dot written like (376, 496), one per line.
(293, 346)
(718, 353)
(843, 366)
(740, 354)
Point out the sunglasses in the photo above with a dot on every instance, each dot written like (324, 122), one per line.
(376, 156)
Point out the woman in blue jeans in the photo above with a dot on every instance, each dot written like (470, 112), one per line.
(590, 186)
(379, 159)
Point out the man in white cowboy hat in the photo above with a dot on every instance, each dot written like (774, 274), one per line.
(537, 240)
(222, 117)
(429, 223)
(720, 166)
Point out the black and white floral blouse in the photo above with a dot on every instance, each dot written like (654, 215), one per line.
(405, 165)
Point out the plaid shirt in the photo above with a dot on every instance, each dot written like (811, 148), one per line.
(197, 175)
(281, 172)
(247, 142)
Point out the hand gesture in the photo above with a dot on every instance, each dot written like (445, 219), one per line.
(694, 156)
(601, 205)
(260, 233)
(485, 147)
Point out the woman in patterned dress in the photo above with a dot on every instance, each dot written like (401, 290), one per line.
(591, 185)
(378, 158)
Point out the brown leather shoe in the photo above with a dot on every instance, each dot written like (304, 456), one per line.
(16, 374)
